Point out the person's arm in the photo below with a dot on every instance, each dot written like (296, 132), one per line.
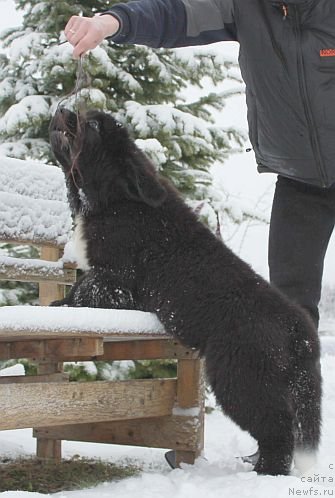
(173, 23)
(155, 23)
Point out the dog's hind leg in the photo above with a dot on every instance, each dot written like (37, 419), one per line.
(306, 390)
(307, 399)
(272, 428)
(272, 425)
(257, 398)
(275, 438)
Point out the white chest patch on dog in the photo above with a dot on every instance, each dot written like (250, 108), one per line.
(80, 244)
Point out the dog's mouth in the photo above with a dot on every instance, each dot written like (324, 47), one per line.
(64, 124)
(63, 131)
(63, 135)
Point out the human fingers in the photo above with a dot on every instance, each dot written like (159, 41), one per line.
(84, 37)
(86, 33)
(72, 27)
(87, 42)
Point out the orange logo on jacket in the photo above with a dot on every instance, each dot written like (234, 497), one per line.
(327, 52)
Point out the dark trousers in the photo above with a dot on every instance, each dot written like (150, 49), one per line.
(302, 221)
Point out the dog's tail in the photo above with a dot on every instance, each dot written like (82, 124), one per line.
(306, 393)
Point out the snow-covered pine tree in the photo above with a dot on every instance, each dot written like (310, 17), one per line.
(145, 88)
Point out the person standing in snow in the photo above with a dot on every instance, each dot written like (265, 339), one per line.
(287, 60)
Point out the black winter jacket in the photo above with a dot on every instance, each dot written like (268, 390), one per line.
(287, 60)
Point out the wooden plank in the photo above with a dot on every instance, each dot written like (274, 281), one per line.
(68, 348)
(145, 349)
(31, 379)
(74, 346)
(70, 265)
(26, 333)
(12, 334)
(36, 274)
(159, 432)
(37, 242)
(40, 405)
(39, 344)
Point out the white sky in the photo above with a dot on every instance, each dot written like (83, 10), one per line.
(239, 174)
(8, 15)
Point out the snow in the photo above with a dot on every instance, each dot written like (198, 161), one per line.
(22, 46)
(154, 60)
(28, 110)
(154, 149)
(32, 179)
(96, 98)
(162, 117)
(60, 53)
(25, 266)
(66, 319)
(186, 412)
(35, 219)
(118, 370)
(106, 65)
(6, 87)
(14, 370)
(33, 202)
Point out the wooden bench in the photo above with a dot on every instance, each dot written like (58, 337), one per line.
(166, 413)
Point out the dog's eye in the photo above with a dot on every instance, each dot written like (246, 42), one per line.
(93, 123)
(118, 124)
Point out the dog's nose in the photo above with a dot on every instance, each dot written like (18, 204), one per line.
(59, 119)
(62, 118)
(63, 112)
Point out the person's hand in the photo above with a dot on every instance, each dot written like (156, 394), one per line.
(86, 33)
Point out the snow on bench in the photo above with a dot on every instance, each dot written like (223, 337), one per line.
(41, 320)
(34, 210)
(33, 203)
(33, 270)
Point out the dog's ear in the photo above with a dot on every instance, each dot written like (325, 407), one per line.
(141, 182)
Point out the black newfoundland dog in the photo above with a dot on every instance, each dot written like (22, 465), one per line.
(143, 248)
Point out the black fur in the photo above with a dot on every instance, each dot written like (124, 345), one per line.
(147, 250)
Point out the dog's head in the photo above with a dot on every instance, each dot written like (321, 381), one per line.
(101, 162)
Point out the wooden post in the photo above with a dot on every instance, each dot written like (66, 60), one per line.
(49, 448)
(50, 291)
(190, 403)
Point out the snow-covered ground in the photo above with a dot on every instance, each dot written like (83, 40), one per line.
(218, 475)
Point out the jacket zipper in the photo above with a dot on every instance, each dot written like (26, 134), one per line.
(305, 100)
(284, 9)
